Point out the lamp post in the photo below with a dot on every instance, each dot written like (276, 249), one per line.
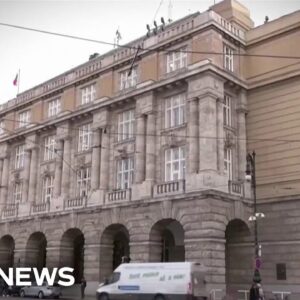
(251, 175)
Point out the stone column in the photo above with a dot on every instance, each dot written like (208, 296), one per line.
(26, 174)
(220, 136)
(211, 253)
(150, 147)
(193, 133)
(66, 167)
(140, 150)
(1, 168)
(92, 262)
(32, 176)
(104, 165)
(53, 255)
(58, 168)
(4, 180)
(20, 256)
(208, 132)
(95, 160)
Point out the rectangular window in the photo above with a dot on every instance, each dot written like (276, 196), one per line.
(228, 58)
(17, 193)
(48, 187)
(24, 118)
(175, 111)
(88, 94)
(54, 107)
(128, 81)
(125, 125)
(2, 127)
(175, 164)
(176, 60)
(228, 162)
(49, 150)
(227, 111)
(125, 169)
(84, 137)
(20, 157)
(83, 182)
(281, 271)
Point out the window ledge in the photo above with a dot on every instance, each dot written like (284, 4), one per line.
(83, 152)
(230, 128)
(49, 161)
(125, 141)
(175, 72)
(174, 128)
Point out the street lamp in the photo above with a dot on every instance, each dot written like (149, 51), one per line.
(251, 176)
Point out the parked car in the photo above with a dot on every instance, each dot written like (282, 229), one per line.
(41, 292)
(14, 290)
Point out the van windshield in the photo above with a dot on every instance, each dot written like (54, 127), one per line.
(114, 277)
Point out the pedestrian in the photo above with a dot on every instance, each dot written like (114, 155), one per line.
(1, 286)
(260, 291)
(82, 286)
(256, 291)
(5, 289)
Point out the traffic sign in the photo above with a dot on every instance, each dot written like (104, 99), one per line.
(257, 263)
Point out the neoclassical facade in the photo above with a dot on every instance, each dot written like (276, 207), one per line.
(145, 160)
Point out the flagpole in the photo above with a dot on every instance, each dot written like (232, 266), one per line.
(19, 81)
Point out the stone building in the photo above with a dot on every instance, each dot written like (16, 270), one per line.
(100, 162)
(273, 132)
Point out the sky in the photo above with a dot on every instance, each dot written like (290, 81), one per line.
(40, 57)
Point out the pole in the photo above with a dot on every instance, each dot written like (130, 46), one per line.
(251, 158)
(18, 82)
(255, 204)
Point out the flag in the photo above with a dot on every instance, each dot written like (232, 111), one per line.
(15, 82)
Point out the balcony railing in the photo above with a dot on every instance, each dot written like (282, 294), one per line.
(10, 211)
(37, 208)
(77, 202)
(118, 196)
(169, 187)
(236, 188)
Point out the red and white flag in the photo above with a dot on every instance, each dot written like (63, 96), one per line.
(15, 82)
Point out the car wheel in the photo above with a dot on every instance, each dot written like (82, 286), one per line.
(103, 297)
(40, 295)
(159, 297)
(22, 294)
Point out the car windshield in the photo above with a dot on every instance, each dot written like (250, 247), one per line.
(113, 278)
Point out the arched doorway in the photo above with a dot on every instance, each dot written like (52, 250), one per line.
(7, 247)
(72, 252)
(114, 245)
(239, 255)
(167, 241)
(35, 256)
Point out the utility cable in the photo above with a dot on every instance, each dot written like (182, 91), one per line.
(167, 134)
(147, 49)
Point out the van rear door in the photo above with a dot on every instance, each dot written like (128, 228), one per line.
(198, 284)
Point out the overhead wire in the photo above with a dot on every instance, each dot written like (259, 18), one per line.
(163, 134)
(135, 152)
(145, 48)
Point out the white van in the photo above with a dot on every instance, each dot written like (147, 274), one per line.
(155, 281)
